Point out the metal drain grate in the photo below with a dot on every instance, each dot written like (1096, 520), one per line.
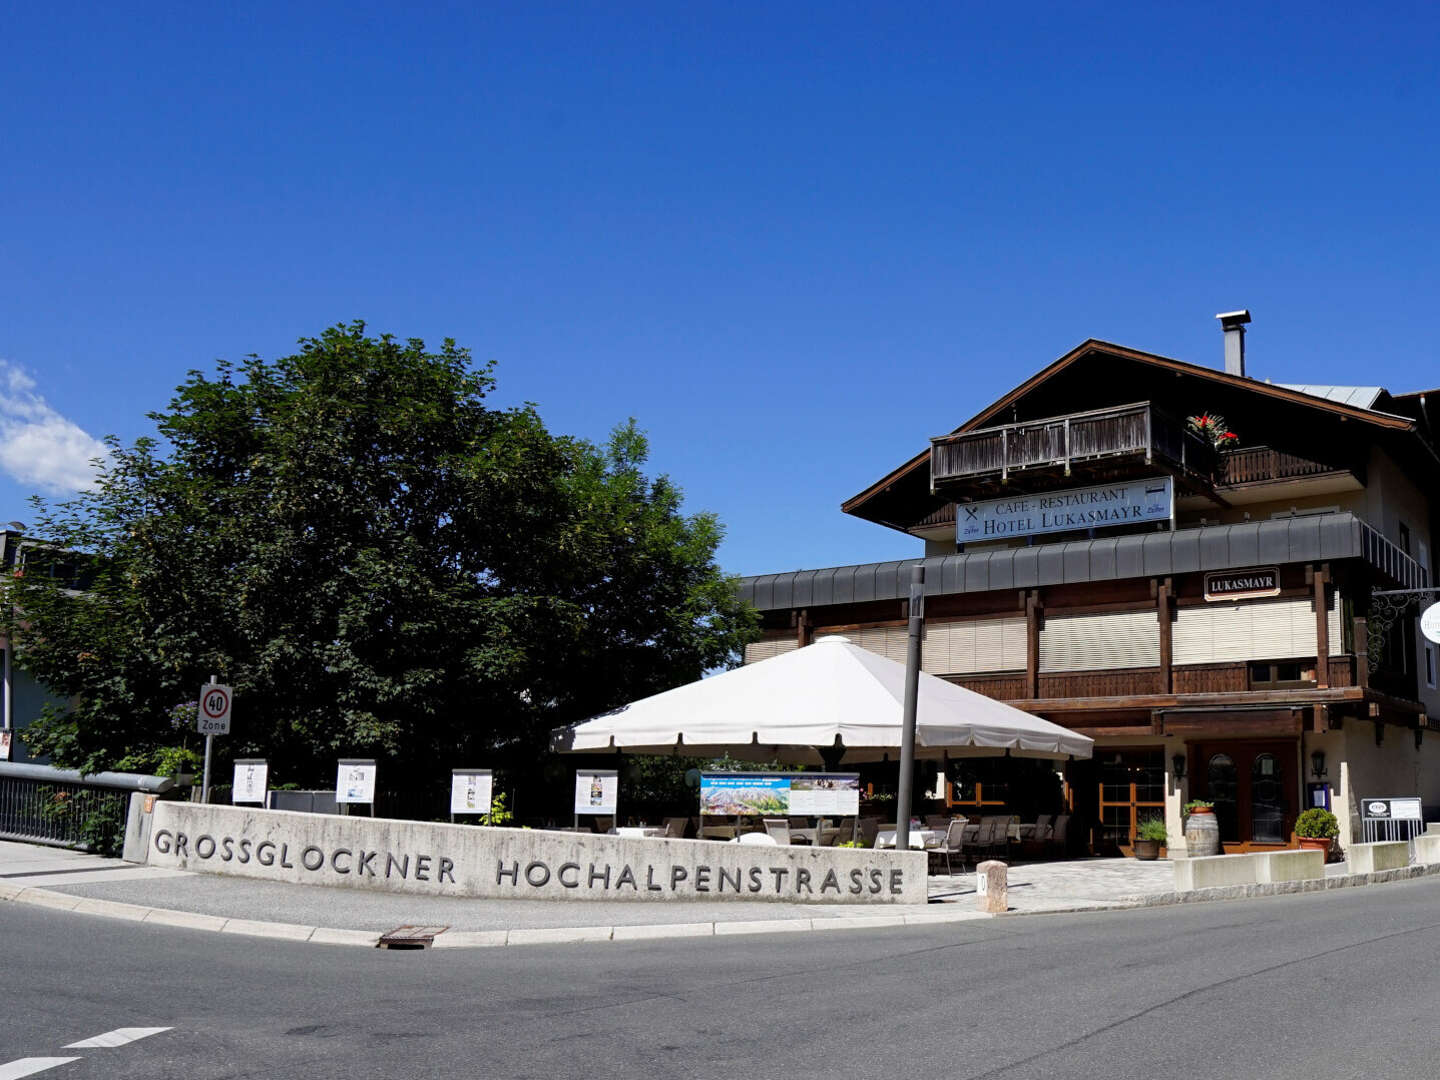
(410, 937)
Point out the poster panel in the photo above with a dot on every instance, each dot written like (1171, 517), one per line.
(744, 793)
(470, 791)
(355, 782)
(825, 794)
(5, 738)
(597, 791)
(252, 780)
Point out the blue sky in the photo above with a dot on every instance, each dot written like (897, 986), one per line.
(792, 241)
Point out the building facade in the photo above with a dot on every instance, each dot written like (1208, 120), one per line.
(1230, 612)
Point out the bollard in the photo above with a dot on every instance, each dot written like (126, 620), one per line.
(992, 886)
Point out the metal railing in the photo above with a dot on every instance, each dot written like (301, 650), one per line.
(63, 808)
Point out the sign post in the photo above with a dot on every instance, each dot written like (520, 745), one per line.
(252, 781)
(355, 783)
(597, 793)
(212, 718)
(470, 791)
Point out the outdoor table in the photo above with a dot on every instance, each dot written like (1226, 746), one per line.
(639, 830)
(920, 839)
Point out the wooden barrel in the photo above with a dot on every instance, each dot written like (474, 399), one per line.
(1202, 834)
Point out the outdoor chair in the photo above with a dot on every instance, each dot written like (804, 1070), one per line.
(1059, 841)
(675, 826)
(936, 821)
(602, 824)
(778, 829)
(1034, 838)
(869, 830)
(952, 845)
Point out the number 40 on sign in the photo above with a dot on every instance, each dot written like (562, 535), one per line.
(214, 712)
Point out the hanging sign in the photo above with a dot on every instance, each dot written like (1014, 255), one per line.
(213, 716)
(1430, 623)
(470, 791)
(252, 779)
(1104, 507)
(1243, 584)
(355, 781)
(597, 791)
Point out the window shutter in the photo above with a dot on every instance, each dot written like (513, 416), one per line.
(976, 645)
(768, 647)
(1258, 630)
(1124, 639)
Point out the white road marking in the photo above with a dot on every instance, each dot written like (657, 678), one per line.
(118, 1037)
(13, 1070)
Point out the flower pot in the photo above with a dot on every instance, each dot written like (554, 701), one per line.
(1202, 834)
(1147, 850)
(1315, 843)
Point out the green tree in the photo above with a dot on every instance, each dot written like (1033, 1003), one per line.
(378, 561)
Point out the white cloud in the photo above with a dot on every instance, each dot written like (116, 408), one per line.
(39, 446)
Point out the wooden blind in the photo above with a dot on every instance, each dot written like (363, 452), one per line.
(1256, 630)
(886, 641)
(1120, 639)
(958, 648)
(768, 647)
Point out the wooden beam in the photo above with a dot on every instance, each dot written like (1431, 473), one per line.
(1163, 607)
(1033, 614)
(1322, 628)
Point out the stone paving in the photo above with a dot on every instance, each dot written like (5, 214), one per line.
(1073, 885)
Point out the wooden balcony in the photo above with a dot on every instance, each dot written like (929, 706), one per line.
(1262, 464)
(1102, 442)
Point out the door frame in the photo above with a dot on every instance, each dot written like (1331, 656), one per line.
(1244, 752)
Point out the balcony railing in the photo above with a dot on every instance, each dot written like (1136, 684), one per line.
(1060, 442)
(1255, 464)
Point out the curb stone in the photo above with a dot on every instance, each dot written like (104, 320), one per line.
(470, 939)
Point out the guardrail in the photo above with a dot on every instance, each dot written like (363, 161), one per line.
(64, 808)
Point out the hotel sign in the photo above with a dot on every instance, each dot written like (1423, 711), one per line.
(1243, 584)
(1103, 507)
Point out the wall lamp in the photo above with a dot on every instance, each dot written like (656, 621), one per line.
(1177, 766)
(1317, 764)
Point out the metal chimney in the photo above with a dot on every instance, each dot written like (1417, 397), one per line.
(1233, 323)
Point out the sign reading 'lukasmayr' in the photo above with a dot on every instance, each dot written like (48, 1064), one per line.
(1241, 584)
(1065, 511)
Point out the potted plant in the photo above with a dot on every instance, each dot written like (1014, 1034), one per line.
(1202, 831)
(1149, 837)
(1316, 830)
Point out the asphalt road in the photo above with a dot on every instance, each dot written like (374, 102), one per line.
(1338, 984)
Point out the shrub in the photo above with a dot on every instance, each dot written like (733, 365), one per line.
(1317, 823)
(1153, 829)
(1197, 804)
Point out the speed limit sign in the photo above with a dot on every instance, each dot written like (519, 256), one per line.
(214, 715)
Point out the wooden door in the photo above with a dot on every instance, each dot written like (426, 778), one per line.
(1254, 787)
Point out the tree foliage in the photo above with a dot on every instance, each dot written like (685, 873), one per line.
(376, 559)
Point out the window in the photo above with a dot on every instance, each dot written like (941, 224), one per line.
(1282, 675)
(1430, 666)
(1405, 538)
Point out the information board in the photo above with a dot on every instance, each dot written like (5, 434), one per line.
(1430, 623)
(252, 780)
(355, 781)
(1405, 808)
(471, 790)
(780, 794)
(597, 791)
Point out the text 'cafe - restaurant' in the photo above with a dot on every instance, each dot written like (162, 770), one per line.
(1216, 577)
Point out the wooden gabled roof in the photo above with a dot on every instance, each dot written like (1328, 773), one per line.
(903, 495)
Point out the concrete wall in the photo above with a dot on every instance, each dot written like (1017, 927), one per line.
(1393, 768)
(466, 860)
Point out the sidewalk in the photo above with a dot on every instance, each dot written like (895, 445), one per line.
(90, 885)
(1040, 887)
